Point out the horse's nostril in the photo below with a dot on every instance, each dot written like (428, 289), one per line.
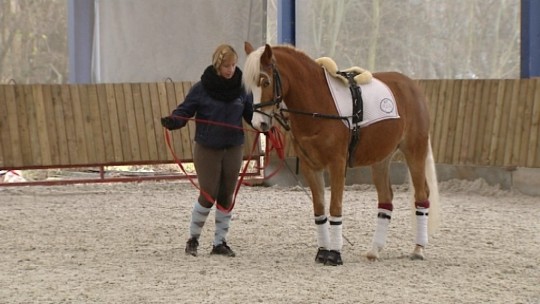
(264, 127)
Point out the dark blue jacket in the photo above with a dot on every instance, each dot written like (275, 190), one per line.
(199, 103)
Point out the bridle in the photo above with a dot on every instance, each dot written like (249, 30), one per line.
(277, 99)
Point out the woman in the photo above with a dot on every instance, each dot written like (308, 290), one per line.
(219, 97)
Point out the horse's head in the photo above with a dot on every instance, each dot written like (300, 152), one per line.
(262, 79)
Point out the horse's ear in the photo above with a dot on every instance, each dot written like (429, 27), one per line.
(248, 47)
(266, 58)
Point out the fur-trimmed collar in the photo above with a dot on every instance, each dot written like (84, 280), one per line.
(221, 88)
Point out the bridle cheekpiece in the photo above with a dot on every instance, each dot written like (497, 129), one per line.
(277, 98)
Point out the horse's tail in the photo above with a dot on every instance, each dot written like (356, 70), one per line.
(434, 217)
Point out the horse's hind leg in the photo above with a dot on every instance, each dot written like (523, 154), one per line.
(381, 179)
(416, 161)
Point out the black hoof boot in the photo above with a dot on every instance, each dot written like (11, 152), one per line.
(322, 255)
(333, 258)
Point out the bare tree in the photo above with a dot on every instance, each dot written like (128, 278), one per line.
(33, 37)
(422, 38)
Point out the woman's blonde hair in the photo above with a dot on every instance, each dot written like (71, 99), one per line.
(223, 53)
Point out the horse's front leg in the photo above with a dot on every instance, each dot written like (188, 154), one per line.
(315, 180)
(337, 186)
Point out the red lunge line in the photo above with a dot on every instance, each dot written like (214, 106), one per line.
(275, 141)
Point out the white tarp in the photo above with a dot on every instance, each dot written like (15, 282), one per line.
(147, 41)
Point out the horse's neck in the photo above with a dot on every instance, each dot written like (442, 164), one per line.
(305, 87)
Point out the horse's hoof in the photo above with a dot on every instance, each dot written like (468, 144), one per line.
(322, 255)
(418, 253)
(373, 254)
(415, 256)
(333, 258)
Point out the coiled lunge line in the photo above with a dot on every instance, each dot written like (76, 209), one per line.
(275, 141)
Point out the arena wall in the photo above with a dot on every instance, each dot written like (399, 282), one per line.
(478, 124)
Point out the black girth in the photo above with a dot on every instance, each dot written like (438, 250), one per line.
(357, 113)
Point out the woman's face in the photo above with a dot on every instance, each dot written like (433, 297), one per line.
(227, 68)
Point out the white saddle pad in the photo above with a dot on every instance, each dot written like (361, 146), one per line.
(378, 101)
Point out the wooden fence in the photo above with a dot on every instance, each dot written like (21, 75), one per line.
(474, 122)
(485, 122)
(46, 126)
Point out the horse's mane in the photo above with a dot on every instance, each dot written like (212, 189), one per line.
(252, 68)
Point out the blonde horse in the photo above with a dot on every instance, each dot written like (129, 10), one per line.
(290, 86)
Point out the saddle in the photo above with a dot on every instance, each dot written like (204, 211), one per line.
(361, 76)
(353, 77)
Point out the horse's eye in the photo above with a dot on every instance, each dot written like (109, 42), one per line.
(264, 82)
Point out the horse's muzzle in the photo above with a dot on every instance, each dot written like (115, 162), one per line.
(261, 121)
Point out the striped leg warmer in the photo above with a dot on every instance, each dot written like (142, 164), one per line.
(198, 218)
(223, 221)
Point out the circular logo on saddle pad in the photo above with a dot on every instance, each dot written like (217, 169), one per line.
(387, 105)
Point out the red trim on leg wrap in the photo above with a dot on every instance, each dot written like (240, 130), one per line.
(424, 204)
(386, 206)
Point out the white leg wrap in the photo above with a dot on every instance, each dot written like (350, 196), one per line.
(381, 230)
(323, 234)
(336, 233)
(422, 226)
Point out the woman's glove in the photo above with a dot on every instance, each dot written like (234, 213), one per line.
(171, 123)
